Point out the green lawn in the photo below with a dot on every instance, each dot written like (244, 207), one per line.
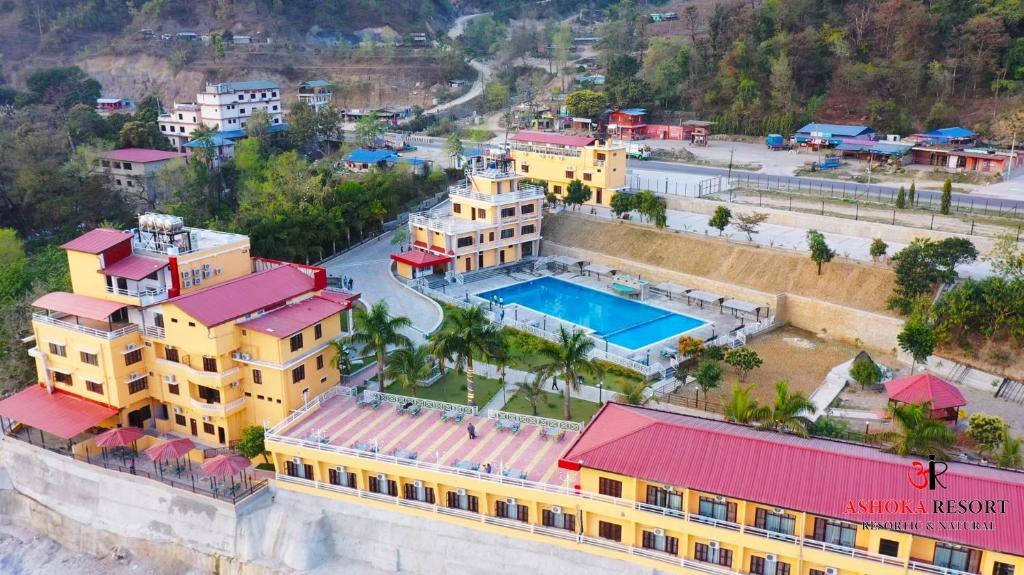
(452, 389)
(552, 405)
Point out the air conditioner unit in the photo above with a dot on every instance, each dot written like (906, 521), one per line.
(197, 280)
(130, 347)
(169, 378)
(177, 410)
(133, 376)
(244, 356)
(207, 419)
(218, 271)
(340, 469)
(831, 571)
(712, 544)
(460, 492)
(233, 384)
(382, 477)
(187, 283)
(510, 500)
(417, 484)
(659, 532)
(206, 273)
(720, 499)
(771, 558)
(207, 268)
(557, 510)
(778, 510)
(186, 274)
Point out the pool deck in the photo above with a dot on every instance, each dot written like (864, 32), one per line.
(345, 424)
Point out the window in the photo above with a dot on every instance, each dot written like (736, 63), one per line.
(191, 324)
(320, 361)
(558, 189)
(94, 386)
(242, 111)
(298, 374)
(257, 376)
(464, 501)
(464, 242)
(508, 233)
(774, 522)
(663, 498)
(208, 428)
(384, 487)
(835, 532)
(816, 572)
(241, 97)
(662, 542)
(208, 394)
(508, 212)
(274, 107)
(138, 385)
(761, 566)
(565, 521)
(569, 174)
(1002, 569)
(126, 165)
(134, 356)
(610, 487)
(957, 557)
(296, 342)
(529, 229)
(57, 349)
(318, 331)
(173, 389)
(457, 208)
(210, 364)
(273, 94)
(64, 378)
(481, 213)
(706, 553)
(888, 547)
(179, 419)
(130, 183)
(490, 236)
(715, 509)
(526, 209)
(171, 353)
(587, 176)
(338, 476)
(90, 358)
(607, 530)
(298, 469)
(512, 511)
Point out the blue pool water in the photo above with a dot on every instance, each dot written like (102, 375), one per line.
(624, 322)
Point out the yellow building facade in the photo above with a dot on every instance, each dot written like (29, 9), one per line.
(491, 219)
(676, 528)
(188, 334)
(559, 159)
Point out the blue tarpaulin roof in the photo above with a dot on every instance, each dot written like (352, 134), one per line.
(371, 156)
(635, 111)
(472, 153)
(945, 134)
(880, 148)
(213, 141)
(841, 130)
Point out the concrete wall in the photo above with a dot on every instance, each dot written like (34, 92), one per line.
(849, 324)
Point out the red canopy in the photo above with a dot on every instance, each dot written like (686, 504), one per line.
(418, 259)
(119, 436)
(170, 450)
(58, 413)
(925, 388)
(225, 465)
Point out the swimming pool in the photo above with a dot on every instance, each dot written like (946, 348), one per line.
(624, 322)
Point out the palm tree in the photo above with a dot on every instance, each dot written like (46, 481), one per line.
(410, 367)
(742, 408)
(342, 358)
(500, 356)
(376, 329)
(634, 392)
(533, 392)
(568, 358)
(1009, 455)
(467, 332)
(918, 434)
(787, 413)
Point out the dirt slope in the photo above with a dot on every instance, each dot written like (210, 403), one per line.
(843, 282)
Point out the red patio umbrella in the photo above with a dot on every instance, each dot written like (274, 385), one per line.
(170, 450)
(225, 465)
(118, 437)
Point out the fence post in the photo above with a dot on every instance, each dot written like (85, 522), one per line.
(931, 226)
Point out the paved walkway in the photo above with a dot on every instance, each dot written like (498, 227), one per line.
(515, 377)
(369, 266)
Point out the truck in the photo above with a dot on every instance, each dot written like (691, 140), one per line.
(637, 150)
(776, 142)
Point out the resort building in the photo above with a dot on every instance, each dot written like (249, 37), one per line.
(316, 94)
(132, 171)
(179, 330)
(492, 219)
(108, 106)
(675, 493)
(558, 159)
(224, 107)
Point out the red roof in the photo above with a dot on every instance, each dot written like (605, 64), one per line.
(97, 241)
(57, 413)
(80, 305)
(551, 138)
(133, 267)
(925, 388)
(418, 259)
(236, 298)
(344, 298)
(812, 475)
(291, 319)
(141, 155)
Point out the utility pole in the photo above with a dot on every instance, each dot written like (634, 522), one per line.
(1010, 162)
(731, 150)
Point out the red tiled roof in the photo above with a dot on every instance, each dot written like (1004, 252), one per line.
(291, 319)
(236, 298)
(418, 259)
(58, 413)
(923, 388)
(133, 267)
(80, 305)
(551, 138)
(141, 155)
(812, 475)
(97, 241)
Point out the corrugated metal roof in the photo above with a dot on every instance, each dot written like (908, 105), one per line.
(813, 475)
(371, 156)
(252, 85)
(140, 155)
(836, 129)
(552, 138)
(294, 318)
(420, 259)
(239, 297)
(925, 387)
(133, 267)
(79, 305)
(58, 413)
(97, 241)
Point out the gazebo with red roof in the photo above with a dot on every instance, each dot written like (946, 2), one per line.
(410, 262)
(944, 398)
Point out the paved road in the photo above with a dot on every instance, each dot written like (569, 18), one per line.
(368, 266)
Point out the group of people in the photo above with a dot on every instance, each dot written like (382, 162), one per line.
(346, 283)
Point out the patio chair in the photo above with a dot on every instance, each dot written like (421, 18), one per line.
(459, 417)
(364, 401)
(415, 410)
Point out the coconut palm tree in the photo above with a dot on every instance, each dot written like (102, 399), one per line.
(500, 357)
(533, 392)
(374, 330)
(917, 433)
(410, 367)
(342, 358)
(466, 332)
(634, 392)
(742, 408)
(1009, 455)
(787, 414)
(568, 359)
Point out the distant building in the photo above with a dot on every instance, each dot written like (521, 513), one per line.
(945, 136)
(178, 124)
(107, 106)
(222, 107)
(627, 123)
(316, 94)
(957, 150)
(830, 135)
(133, 171)
(591, 79)
(558, 159)
(220, 148)
(360, 160)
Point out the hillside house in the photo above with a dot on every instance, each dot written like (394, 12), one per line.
(317, 94)
(107, 106)
(627, 123)
(132, 171)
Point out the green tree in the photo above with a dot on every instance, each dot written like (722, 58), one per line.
(258, 126)
(1009, 452)
(533, 392)
(569, 358)
(496, 95)
(302, 124)
(917, 433)
(901, 198)
(748, 223)
(251, 444)
(820, 252)
(708, 376)
(11, 247)
(1006, 257)
(634, 391)
(368, 128)
(985, 430)
(947, 196)
(341, 357)
(410, 367)
(878, 248)
(375, 330)
(577, 194)
(789, 413)
(622, 203)
(466, 333)
(586, 104)
(138, 135)
(453, 146)
(912, 194)
(217, 46)
(917, 339)
(63, 86)
(744, 360)
(866, 373)
(741, 407)
(720, 219)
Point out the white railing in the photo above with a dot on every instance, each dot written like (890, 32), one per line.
(929, 568)
(197, 372)
(424, 403)
(523, 193)
(111, 334)
(307, 407)
(221, 408)
(547, 151)
(154, 331)
(535, 420)
(449, 224)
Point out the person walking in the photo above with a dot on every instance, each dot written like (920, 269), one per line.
(554, 384)
(471, 430)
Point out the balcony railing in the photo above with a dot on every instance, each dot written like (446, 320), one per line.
(218, 408)
(146, 297)
(525, 192)
(105, 334)
(154, 331)
(197, 372)
(450, 224)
